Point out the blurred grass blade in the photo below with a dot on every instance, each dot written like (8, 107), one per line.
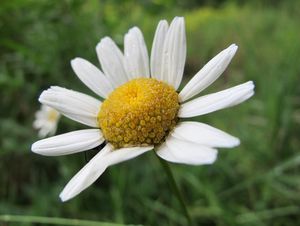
(159, 208)
(267, 214)
(56, 221)
(175, 188)
(275, 172)
(292, 162)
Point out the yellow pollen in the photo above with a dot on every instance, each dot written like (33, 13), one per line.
(141, 112)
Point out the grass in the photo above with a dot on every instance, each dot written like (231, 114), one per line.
(56, 221)
(257, 183)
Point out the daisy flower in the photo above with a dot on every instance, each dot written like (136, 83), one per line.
(142, 109)
(46, 120)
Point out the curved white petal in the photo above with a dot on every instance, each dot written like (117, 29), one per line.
(179, 151)
(204, 134)
(157, 50)
(86, 176)
(74, 105)
(136, 54)
(69, 143)
(216, 101)
(174, 53)
(112, 61)
(96, 166)
(92, 77)
(208, 74)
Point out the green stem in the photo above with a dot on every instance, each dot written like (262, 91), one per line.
(53, 220)
(175, 188)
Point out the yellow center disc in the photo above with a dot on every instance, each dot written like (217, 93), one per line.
(141, 112)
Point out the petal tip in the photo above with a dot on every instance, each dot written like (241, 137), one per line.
(75, 59)
(236, 142)
(214, 157)
(178, 18)
(48, 94)
(34, 148)
(73, 63)
(103, 41)
(178, 21)
(98, 46)
(43, 96)
(251, 85)
(133, 30)
(232, 49)
(63, 198)
(162, 22)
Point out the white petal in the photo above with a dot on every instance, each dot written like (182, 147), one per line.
(74, 105)
(208, 74)
(179, 151)
(204, 134)
(157, 49)
(216, 101)
(124, 154)
(96, 166)
(92, 77)
(69, 143)
(136, 54)
(112, 61)
(174, 53)
(86, 176)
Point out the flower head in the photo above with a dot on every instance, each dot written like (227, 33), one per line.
(46, 120)
(142, 107)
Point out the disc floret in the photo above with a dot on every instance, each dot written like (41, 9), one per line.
(139, 113)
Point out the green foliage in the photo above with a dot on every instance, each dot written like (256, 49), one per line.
(257, 183)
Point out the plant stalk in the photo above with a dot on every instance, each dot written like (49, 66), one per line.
(175, 188)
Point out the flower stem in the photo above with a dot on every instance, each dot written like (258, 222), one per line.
(175, 189)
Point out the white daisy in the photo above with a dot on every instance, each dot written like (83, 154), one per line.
(46, 120)
(142, 109)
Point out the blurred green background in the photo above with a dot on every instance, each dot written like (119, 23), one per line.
(257, 183)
